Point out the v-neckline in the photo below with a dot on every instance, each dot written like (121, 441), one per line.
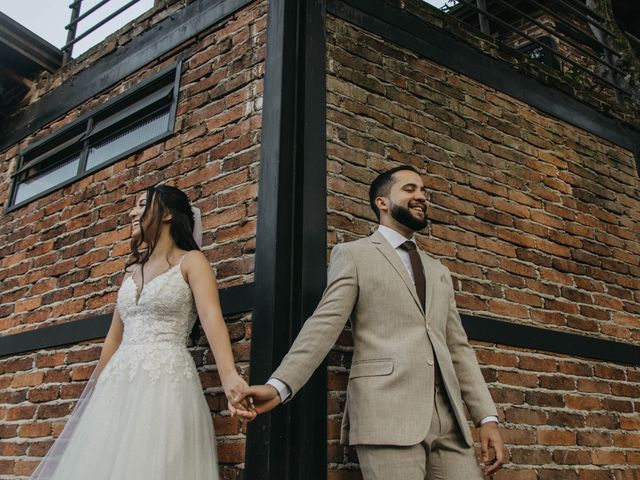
(139, 290)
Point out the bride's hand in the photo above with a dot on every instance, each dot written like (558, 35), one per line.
(233, 388)
(263, 398)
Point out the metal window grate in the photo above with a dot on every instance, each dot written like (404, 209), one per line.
(129, 138)
(47, 180)
(122, 126)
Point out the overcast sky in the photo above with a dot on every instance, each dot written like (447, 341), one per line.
(47, 18)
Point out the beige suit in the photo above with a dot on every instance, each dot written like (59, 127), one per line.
(390, 395)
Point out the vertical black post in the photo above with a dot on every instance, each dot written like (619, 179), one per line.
(290, 443)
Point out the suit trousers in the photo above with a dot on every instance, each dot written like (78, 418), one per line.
(443, 455)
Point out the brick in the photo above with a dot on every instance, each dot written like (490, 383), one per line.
(526, 417)
(528, 456)
(28, 304)
(85, 355)
(583, 403)
(231, 452)
(489, 357)
(537, 364)
(566, 420)
(556, 437)
(507, 309)
(27, 379)
(40, 429)
(20, 413)
(605, 457)
(42, 394)
(81, 372)
(53, 411)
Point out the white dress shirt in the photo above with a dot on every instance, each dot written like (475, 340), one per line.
(395, 239)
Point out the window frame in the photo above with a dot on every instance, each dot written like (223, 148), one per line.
(79, 136)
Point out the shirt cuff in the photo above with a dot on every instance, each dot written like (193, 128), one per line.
(490, 418)
(283, 389)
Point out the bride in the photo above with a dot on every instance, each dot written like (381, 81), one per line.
(143, 414)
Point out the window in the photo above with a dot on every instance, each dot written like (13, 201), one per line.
(126, 124)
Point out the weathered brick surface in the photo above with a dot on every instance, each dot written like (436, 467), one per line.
(576, 83)
(538, 222)
(62, 256)
(32, 415)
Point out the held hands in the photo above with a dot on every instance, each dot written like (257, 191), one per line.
(233, 387)
(490, 439)
(263, 398)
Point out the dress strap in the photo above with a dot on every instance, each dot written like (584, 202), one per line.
(182, 258)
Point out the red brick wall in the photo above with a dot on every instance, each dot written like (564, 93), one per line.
(63, 255)
(537, 220)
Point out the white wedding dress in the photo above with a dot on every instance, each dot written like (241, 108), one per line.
(146, 418)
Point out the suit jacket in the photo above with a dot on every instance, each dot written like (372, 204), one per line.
(391, 385)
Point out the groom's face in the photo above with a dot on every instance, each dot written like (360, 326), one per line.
(408, 200)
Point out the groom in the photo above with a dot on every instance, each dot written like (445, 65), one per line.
(412, 364)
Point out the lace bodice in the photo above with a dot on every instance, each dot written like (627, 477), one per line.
(164, 313)
(157, 325)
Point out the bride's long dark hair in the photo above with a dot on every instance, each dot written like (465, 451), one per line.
(165, 198)
(160, 200)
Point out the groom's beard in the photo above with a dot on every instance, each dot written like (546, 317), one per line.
(403, 216)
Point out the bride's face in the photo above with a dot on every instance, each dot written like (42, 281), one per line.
(136, 215)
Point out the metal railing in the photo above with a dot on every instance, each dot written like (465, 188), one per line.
(77, 17)
(581, 43)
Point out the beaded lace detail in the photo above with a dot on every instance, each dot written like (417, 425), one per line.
(156, 328)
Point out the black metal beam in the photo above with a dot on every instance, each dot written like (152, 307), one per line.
(233, 300)
(143, 49)
(535, 338)
(290, 443)
(412, 33)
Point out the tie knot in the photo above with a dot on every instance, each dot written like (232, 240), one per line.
(408, 246)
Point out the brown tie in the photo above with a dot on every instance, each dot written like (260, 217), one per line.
(418, 272)
(419, 280)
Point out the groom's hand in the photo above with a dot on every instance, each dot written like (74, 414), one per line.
(490, 439)
(265, 397)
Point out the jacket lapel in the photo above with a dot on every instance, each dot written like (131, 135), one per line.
(430, 279)
(394, 259)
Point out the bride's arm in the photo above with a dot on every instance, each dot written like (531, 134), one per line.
(202, 281)
(111, 342)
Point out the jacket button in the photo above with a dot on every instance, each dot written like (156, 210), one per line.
(429, 362)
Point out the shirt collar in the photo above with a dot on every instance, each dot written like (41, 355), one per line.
(394, 238)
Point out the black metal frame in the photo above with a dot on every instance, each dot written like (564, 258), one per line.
(126, 107)
(501, 332)
(236, 299)
(291, 247)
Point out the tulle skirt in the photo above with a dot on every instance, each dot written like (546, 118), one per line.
(138, 424)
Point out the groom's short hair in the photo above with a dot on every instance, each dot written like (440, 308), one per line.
(381, 186)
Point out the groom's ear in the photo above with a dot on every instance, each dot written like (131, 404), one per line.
(382, 203)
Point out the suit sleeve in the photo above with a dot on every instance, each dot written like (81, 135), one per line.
(322, 329)
(473, 388)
